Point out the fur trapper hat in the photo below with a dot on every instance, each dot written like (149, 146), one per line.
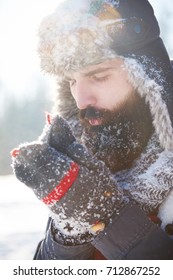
(81, 33)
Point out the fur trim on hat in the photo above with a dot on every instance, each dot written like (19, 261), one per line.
(84, 26)
(151, 91)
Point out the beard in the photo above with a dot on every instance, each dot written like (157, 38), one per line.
(123, 134)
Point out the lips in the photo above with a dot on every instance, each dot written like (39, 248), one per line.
(92, 116)
(95, 122)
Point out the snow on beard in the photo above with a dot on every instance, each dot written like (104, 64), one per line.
(123, 134)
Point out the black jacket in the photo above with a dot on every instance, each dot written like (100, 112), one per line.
(131, 236)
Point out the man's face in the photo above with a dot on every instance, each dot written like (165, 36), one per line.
(104, 86)
(116, 121)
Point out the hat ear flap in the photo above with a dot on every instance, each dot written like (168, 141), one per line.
(149, 89)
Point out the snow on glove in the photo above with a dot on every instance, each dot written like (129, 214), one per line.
(77, 188)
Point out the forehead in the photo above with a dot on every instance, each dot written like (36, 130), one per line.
(113, 64)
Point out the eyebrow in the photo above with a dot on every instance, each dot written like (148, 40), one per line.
(96, 71)
(92, 72)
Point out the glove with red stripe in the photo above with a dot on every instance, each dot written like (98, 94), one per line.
(77, 188)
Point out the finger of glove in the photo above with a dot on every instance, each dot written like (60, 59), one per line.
(82, 156)
(100, 175)
(40, 167)
(60, 135)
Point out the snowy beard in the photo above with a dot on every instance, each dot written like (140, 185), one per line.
(123, 134)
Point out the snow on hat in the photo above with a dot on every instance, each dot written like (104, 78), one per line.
(81, 33)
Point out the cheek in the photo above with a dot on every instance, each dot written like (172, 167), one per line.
(115, 94)
(122, 91)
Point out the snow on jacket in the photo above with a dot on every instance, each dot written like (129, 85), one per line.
(132, 234)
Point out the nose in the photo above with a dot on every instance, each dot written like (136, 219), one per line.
(84, 94)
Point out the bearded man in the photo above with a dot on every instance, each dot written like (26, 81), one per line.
(104, 163)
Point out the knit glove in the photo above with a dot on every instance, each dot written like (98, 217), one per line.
(78, 189)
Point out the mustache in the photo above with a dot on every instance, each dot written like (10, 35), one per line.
(92, 113)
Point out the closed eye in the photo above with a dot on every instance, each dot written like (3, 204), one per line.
(100, 78)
